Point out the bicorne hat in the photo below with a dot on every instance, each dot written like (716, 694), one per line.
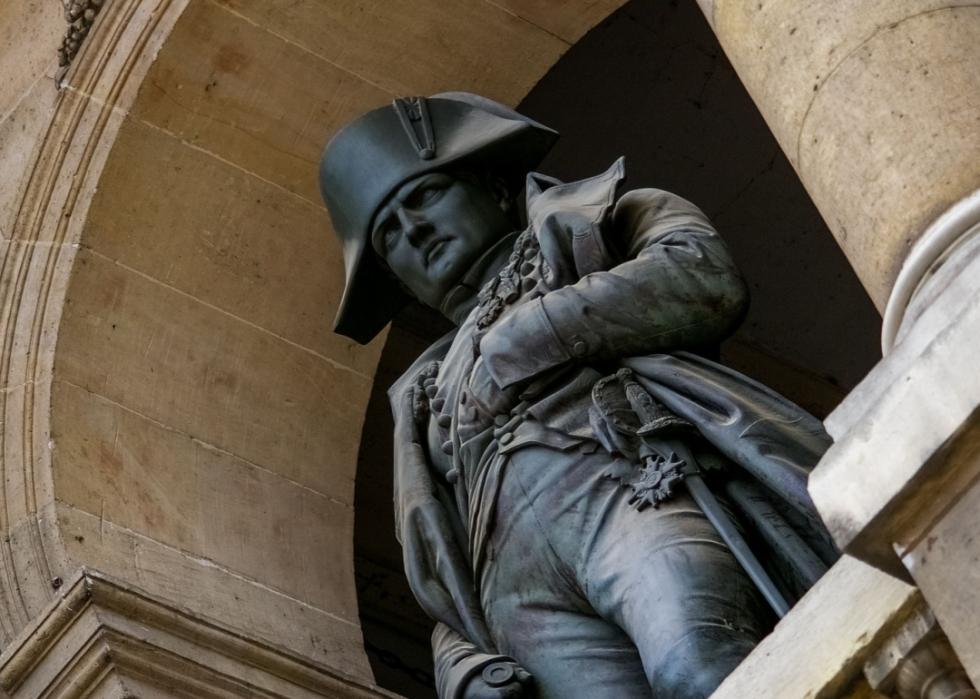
(371, 157)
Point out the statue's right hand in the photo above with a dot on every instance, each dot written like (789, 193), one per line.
(436, 568)
(504, 679)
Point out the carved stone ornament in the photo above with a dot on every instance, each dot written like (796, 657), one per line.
(81, 15)
(918, 662)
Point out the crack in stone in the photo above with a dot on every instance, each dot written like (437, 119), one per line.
(864, 42)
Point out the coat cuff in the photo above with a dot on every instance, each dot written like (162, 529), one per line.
(522, 345)
(454, 683)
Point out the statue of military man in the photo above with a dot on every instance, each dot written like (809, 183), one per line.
(588, 506)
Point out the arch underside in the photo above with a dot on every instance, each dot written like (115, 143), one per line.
(177, 414)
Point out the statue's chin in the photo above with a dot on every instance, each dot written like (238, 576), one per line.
(471, 274)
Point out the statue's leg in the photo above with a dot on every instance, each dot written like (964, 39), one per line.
(661, 575)
(539, 615)
(668, 580)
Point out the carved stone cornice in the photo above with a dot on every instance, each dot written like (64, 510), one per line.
(102, 632)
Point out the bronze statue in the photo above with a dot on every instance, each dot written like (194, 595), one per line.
(588, 505)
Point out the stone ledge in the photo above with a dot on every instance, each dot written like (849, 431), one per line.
(102, 637)
(904, 437)
(818, 649)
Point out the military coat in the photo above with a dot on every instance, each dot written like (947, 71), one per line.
(596, 282)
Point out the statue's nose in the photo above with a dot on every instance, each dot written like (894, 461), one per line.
(413, 225)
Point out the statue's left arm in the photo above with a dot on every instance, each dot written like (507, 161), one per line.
(425, 523)
(674, 287)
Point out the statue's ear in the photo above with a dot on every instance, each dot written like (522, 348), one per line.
(498, 188)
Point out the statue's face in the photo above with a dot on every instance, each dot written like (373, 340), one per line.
(433, 229)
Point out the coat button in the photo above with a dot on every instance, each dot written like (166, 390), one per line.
(498, 674)
(507, 438)
(447, 447)
(579, 348)
(444, 420)
(452, 475)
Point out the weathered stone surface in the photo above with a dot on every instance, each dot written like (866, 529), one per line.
(29, 36)
(899, 487)
(874, 103)
(211, 376)
(566, 20)
(918, 661)
(906, 99)
(817, 650)
(240, 244)
(210, 591)
(944, 564)
(141, 476)
(203, 86)
(904, 436)
(409, 48)
(107, 637)
(22, 129)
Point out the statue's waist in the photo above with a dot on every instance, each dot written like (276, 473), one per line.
(561, 406)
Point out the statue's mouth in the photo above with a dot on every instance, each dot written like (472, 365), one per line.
(434, 249)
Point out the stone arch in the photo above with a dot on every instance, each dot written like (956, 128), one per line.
(180, 426)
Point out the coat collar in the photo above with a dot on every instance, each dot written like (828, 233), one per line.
(585, 200)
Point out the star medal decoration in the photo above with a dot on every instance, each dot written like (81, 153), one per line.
(653, 483)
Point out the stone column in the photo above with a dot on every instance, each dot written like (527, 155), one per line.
(877, 105)
(875, 102)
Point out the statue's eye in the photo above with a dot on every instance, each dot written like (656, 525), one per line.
(430, 194)
(425, 195)
(385, 234)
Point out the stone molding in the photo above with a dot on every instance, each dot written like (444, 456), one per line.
(899, 487)
(936, 245)
(50, 211)
(102, 637)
